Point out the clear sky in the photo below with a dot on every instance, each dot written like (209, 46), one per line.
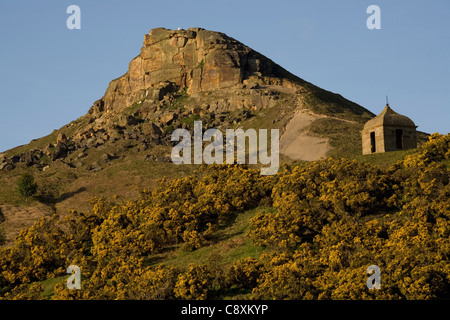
(50, 75)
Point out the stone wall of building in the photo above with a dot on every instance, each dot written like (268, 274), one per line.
(408, 138)
(379, 140)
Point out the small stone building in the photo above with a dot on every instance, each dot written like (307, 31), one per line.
(389, 131)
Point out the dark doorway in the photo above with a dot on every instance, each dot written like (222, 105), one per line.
(399, 138)
(372, 142)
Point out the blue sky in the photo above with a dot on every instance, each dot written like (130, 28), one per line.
(51, 75)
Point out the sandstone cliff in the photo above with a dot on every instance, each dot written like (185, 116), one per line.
(196, 59)
(181, 76)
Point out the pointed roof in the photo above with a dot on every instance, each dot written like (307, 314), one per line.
(389, 117)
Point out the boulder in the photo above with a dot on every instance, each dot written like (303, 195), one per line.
(81, 155)
(127, 120)
(148, 107)
(168, 118)
(94, 167)
(163, 159)
(246, 114)
(104, 136)
(38, 153)
(105, 157)
(61, 164)
(149, 128)
(7, 166)
(78, 164)
(97, 108)
(59, 152)
(61, 139)
(99, 142)
(38, 165)
(27, 157)
(48, 149)
(131, 135)
(14, 159)
(142, 147)
(90, 143)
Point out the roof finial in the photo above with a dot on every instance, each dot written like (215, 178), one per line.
(387, 101)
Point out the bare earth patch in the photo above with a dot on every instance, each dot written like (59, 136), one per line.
(18, 218)
(297, 144)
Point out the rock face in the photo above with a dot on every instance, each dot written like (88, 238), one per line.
(150, 128)
(183, 76)
(195, 59)
(61, 138)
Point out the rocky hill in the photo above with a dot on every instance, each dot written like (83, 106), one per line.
(180, 76)
(221, 232)
(185, 75)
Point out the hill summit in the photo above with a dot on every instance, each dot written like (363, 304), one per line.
(179, 77)
(195, 59)
(182, 76)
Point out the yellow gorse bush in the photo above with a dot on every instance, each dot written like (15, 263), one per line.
(328, 221)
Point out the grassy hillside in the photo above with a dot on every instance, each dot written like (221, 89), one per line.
(227, 232)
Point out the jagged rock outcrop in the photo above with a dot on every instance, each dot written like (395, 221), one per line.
(182, 76)
(196, 59)
(61, 139)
